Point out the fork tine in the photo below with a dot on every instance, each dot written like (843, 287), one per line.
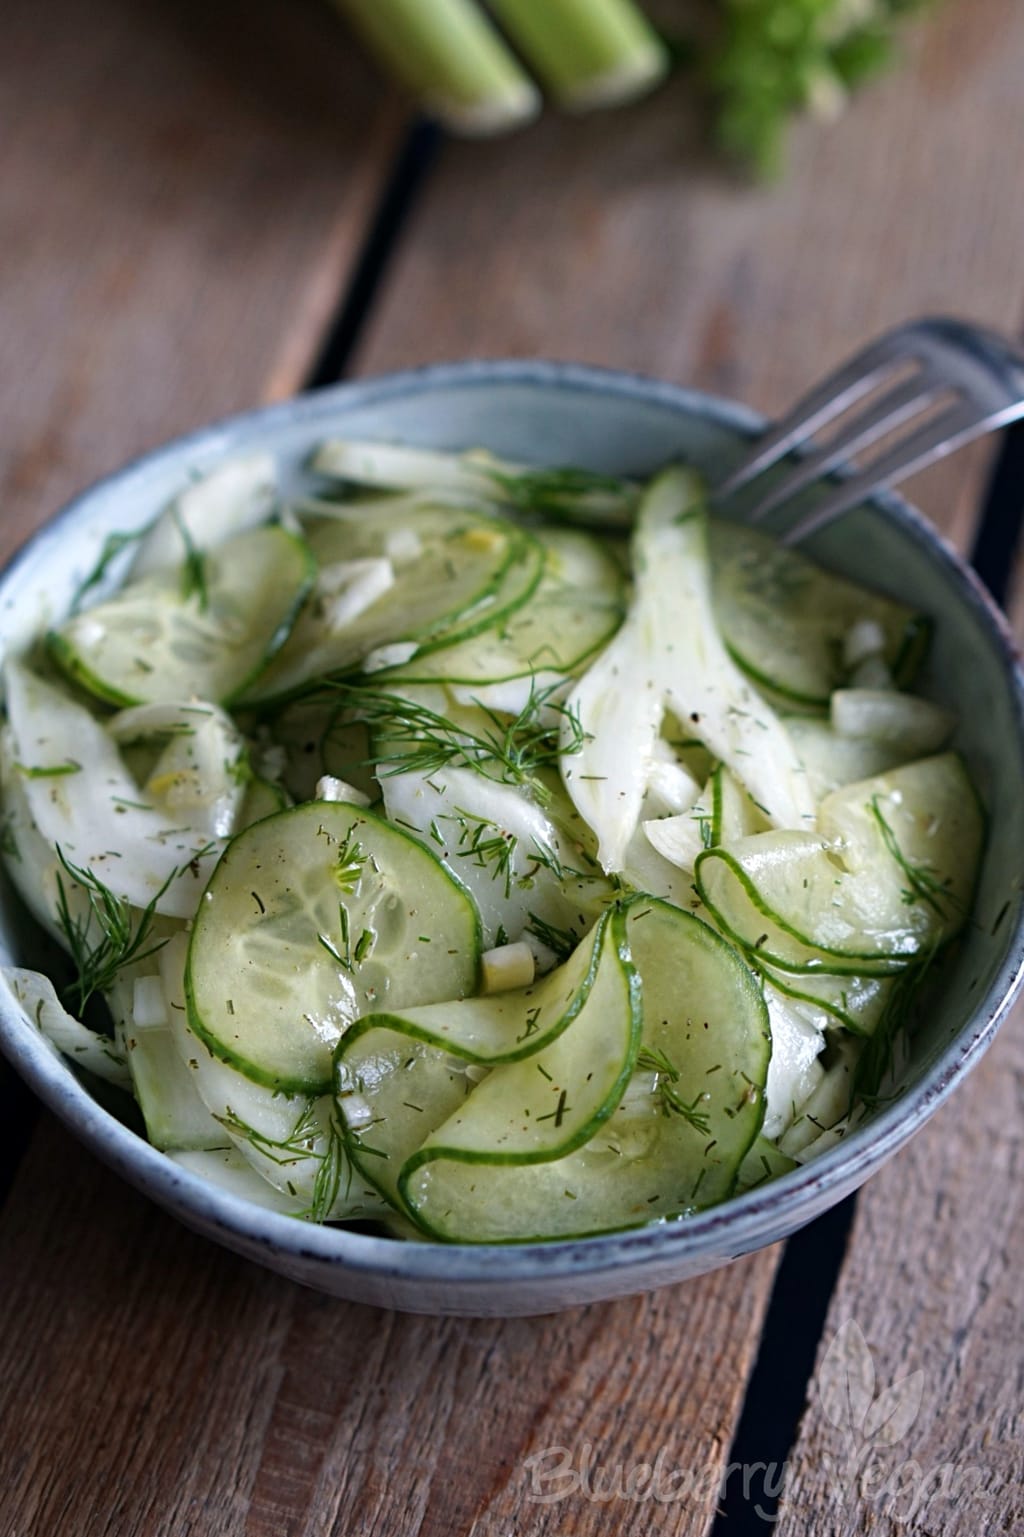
(899, 405)
(827, 400)
(943, 435)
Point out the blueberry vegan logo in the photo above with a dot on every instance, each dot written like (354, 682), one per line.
(846, 1388)
(872, 1423)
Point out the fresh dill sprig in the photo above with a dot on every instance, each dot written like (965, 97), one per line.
(567, 493)
(193, 570)
(299, 1143)
(489, 846)
(923, 885)
(113, 546)
(507, 750)
(350, 864)
(106, 938)
(654, 1060)
(562, 941)
(333, 1164)
(55, 771)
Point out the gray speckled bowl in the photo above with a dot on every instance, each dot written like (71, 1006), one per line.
(563, 414)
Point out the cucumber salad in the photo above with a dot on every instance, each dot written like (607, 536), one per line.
(484, 852)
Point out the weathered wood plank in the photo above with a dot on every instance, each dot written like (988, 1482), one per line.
(169, 1387)
(616, 243)
(932, 1280)
(181, 192)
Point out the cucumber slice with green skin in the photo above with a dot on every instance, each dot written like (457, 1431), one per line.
(784, 619)
(408, 1071)
(172, 635)
(449, 566)
(675, 1141)
(734, 814)
(544, 1107)
(313, 917)
(291, 1141)
(857, 1003)
(888, 877)
(575, 610)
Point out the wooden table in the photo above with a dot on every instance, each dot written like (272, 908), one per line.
(203, 206)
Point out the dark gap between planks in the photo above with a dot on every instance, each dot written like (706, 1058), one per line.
(413, 163)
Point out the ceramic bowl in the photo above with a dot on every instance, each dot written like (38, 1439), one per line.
(614, 422)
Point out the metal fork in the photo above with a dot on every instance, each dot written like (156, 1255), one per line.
(976, 376)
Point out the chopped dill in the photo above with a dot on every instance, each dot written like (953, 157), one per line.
(566, 493)
(56, 771)
(923, 885)
(113, 546)
(193, 568)
(653, 1059)
(108, 937)
(507, 750)
(350, 863)
(562, 941)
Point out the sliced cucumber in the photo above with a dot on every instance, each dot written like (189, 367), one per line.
(453, 573)
(313, 917)
(673, 1143)
(677, 1137)
(185, 634)
(292, 1142)
(543, 1108)
(412, 1072)
(575, 610)
(857, 1003)
(785, 620)
(888, 878)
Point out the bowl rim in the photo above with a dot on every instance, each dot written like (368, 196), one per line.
(739, 1225)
